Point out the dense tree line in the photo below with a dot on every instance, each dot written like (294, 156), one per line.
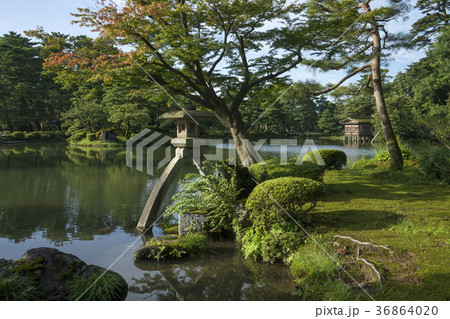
(58, 81)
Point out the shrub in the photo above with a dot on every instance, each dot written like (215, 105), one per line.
(278, 245)
(107, 287)
(18, 288)
(436, 165)
(295, 195)
(30, 137)
(77, 137)
(273, 169)
(45, 137)
(18, 135)
(385, 156)
(37, 135)
(6, 132)
(91, 137)
(333, 159)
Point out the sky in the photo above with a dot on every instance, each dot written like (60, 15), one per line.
(54, 15)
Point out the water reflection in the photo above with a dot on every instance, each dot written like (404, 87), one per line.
(222, 274)
(68, 193)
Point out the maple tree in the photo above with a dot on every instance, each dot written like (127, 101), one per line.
(213, 53)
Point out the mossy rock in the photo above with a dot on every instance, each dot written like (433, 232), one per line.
(171, 230)
(163, 248)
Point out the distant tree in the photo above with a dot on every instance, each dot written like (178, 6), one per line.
(124, 110)
(328, 124)
(20, 67)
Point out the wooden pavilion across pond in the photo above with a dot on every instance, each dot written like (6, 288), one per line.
(357, 130)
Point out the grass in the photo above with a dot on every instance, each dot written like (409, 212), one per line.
(108, 287)
(402, 210)
(18, 288)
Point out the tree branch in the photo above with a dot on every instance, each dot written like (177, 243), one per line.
(327, 90)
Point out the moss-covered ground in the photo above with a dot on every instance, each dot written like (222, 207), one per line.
(401, 210)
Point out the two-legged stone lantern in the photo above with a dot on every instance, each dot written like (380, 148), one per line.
(187, 130)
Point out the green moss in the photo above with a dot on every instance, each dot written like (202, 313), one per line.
(28, 269)
(165, 248)
(401, 210)
(171, 230)
(68, 274)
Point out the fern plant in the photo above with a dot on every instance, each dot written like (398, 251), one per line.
(213, 194)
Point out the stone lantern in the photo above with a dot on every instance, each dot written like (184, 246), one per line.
(187, 130)
(187, 127)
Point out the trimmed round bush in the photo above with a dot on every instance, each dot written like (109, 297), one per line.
(91, 137)
(6, 132)
(275, 201)
(77, 137)
(18, 135)
(30, 137)
(333, 159)
(436, 165)
(45, 137)
(273, 169)
(37, 135)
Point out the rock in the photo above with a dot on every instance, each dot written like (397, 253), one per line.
(52, 270)
(191, 222)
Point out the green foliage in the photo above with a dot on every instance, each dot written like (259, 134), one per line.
(30, 137)
(272, 169)
(91, 137)
(77, 137)
(99, 286)
(328, 124)
(278, 245)
(436, 165)
(18, 288)
(435, 18)
(385, 156)
(312, 262)
(45, 137)
(333, 159)
(170, 248)
(171, 230)
(216, 194)
(18, 135)
(277, 201)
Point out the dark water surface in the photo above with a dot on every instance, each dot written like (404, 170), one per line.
(88, 202)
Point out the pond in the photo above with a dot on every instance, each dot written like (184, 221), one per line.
(87, 202)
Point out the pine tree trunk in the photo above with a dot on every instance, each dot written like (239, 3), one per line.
(386, 126)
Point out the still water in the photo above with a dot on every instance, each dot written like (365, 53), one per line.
(88, 202)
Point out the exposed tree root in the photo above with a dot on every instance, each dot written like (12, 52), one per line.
(363, 243)
(374, 268)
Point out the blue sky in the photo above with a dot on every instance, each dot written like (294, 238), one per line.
(54, 15)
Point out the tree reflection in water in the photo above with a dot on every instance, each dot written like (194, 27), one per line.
(221, 274)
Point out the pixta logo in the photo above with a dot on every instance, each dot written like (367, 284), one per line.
(150, 143)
